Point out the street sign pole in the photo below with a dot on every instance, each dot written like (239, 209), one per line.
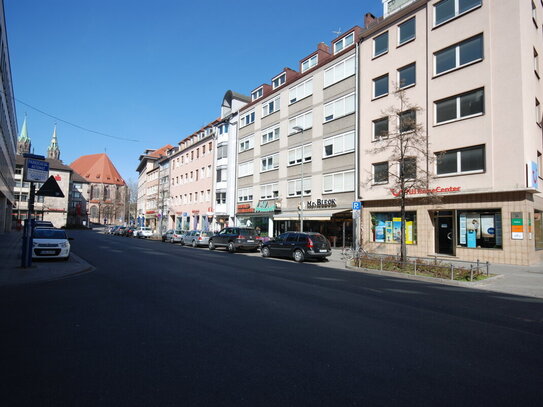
(357, 207)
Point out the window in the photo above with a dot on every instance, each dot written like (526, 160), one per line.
(295, 154)
(294, 187)
(380, 44)
(245, 194)
(386, 227)
(270, 134)
(245, 169)
(536, 63)
(380, 173)
(222, 151)
(406, 31)
(257, 93)
(408, 120)
(408, 168)
(338, 182)
(304, 120)
(269, 191)
(459, 55)
(300, 91)
(309, 63)
(380, 86)
(246, 143)
(480, 229)
(18, 170)
(407, 76)
(380, 129)
(340, 144)
(448, 9)
(339, 107)
(343, 43)
(269, 163)
(464, 160)
(537, 112)
(270, 106)
(534, 14)
(223, 128)
(221, 174)
(463, 106)
(279, 80)
(196, 197)
(247, 119)
(339, 71)
(220, 197)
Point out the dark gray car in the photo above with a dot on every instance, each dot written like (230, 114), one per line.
(235, 238)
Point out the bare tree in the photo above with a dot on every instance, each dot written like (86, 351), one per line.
(408, 168)
(132, 199)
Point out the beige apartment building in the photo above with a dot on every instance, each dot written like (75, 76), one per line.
(471, 72)
(296, 146)
(191, 172)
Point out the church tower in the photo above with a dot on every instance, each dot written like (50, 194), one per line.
(23, 143)
(53, 151)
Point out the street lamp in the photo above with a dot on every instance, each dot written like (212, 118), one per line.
(299, 129)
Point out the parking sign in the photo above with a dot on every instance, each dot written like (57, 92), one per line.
(357, 206)
(36, 170)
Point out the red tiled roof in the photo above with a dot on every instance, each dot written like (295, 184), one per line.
(161, 151)
(97, 168)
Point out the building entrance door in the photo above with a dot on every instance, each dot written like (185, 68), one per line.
(444, 232)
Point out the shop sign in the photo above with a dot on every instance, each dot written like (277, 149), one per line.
(195, 212)
(245, 208)
(321, 204)
(422, 191)
(150, 212)
(265, 206)
(517, 228)
(532, 175)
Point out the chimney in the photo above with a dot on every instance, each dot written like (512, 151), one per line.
(323, 47)
(368, 19)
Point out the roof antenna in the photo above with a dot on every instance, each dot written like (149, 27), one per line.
(337, 32)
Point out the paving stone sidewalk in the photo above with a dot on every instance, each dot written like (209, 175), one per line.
(11, 272)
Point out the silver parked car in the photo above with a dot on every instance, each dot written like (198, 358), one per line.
(177, 236)
(197, 238)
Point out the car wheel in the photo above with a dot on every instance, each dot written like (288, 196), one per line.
(231, 247)
(194, 243)
(265, 251)
(211, 245)
(298, 256)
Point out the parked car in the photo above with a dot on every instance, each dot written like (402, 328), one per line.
(235, 238)
(129, 231)
(196, 238)
(111, 230)
(178, 235)
(298, 246)
(143, 231)
(119, 231)
(50, 243)
(167, 235)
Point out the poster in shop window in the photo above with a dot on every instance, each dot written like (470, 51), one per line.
(463, 228)
(397, 229)
(409, 232)
(498, 225)
(473, 224)
(380, 232)
(388, 231)
(488, 229)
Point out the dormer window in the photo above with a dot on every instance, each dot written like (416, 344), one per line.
(343, 43)
(257, 94)
(309, 63)
(279, 80)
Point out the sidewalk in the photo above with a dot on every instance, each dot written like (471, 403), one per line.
(11, 272)
(509, 279)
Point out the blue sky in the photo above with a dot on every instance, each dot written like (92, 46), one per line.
(152, 71)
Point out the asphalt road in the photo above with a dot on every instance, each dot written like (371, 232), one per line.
(162, 325)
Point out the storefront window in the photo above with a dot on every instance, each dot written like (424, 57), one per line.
(538, 226)
(480, 229)
(386, 227)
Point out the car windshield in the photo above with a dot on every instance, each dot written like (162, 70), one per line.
(49, 234)
(145, 228)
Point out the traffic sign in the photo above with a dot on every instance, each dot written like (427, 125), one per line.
(357, 206)
(36, 170)
(50, 188)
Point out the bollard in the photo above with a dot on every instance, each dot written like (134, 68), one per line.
(381, 264)
(452, 272)
(415, 266)
(471, 272)
(477, 266)
(487, 268)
